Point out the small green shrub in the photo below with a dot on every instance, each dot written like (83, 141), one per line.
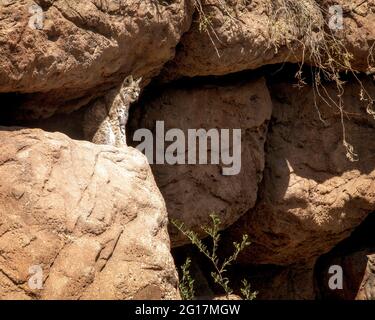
(186, 284)
(219, 275)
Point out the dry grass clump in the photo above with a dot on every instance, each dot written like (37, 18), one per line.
(205, 23)
(304, 24)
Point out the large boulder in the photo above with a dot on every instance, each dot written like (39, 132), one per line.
(65, 52)
(227, 37)
(192, 192)
(87, 220)
(231, 36)
(312, 196)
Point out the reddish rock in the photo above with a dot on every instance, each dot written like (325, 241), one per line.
(312, 196)
(193, 192)
(89, 217)
(82, 48)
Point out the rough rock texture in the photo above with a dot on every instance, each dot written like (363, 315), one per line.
(311, 197)
(78, 49)
(90, 216)
(244, 35)
(358, 34)
(237, 39)
(193, 192)
(295, 282)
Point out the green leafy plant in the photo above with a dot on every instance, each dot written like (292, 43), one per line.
(186, 284)
(219, 275)
(246, 291)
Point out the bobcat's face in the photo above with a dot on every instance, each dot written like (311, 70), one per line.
(131, 88)
(133, 93)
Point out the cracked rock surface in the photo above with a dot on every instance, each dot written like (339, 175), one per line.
(91, 217)
(82, 48)
(311, 196)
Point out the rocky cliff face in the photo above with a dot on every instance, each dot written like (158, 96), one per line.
(86, 221)
(311, 196)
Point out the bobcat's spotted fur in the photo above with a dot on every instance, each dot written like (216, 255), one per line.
(105, 120)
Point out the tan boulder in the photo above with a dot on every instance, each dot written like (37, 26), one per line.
(193, 192)
(312, 196)
(65, 52)
(232, 36)
(87, 220)
(226, 37)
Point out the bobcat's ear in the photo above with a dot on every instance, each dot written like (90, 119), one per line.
(128, 80)
(138, 82)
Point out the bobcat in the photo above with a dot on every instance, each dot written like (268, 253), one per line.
(105, 120)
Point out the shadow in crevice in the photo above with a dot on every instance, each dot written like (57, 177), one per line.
(69, 124)
(10, 108)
